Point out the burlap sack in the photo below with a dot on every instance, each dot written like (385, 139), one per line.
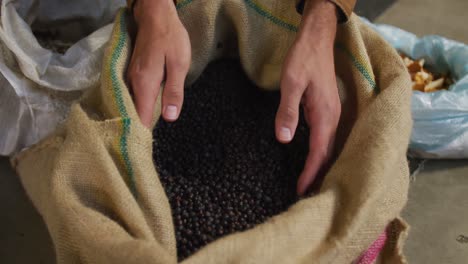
(96, 187)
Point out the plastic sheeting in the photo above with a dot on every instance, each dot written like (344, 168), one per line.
(38, 85)
(441, 118)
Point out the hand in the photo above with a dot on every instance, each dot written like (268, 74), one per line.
(162, 54)
(308, 77)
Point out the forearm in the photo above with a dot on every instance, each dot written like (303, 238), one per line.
(319, 23)
(145, 9)
(345, 7)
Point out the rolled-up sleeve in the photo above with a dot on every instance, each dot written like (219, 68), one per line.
(130, 3)
(346, 7)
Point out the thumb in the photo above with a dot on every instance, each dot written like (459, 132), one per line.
(288, 111)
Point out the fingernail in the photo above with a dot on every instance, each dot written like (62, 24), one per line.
(171, 112)
(285, 134)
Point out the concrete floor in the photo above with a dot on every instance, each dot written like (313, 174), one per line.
(428, 17)
(438, 215)
(437, 209)
(23, 235)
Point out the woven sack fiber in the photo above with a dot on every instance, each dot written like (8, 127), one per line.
(94, 182)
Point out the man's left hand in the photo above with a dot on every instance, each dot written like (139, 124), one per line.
(308, 79)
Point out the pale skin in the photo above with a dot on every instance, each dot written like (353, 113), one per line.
(163, 53)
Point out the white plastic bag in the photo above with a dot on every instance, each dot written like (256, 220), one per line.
(37, 85)
(440, 118)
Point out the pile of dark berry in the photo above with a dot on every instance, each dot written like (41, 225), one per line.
(220, 164)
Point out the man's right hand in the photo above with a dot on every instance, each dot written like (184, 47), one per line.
(162, 53)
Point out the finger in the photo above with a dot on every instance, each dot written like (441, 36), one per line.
(173, 93)
(288, 111)
(321, 141)
(145, 75)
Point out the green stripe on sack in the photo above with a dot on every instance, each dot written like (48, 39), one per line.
(361, 68)
(252, 4)
(126, 121)
(270, 16)
(183, 4)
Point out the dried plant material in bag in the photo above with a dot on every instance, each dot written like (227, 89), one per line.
(422, 79)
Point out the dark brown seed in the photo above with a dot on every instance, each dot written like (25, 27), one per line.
(220, 164)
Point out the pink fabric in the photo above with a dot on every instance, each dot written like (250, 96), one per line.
(369, 256)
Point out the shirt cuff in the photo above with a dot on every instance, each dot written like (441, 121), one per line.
(130, 3)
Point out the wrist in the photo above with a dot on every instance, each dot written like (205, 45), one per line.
(319, 23)
(147, 10)
(325, 7)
